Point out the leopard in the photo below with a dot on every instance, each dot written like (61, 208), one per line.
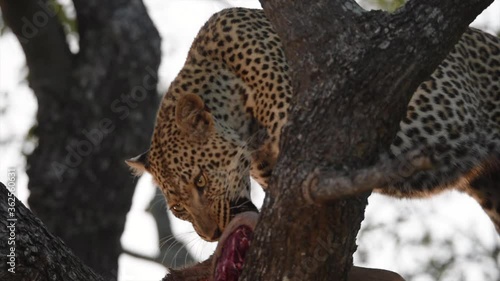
(220, 121)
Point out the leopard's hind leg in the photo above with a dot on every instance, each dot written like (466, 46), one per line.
(485, 188)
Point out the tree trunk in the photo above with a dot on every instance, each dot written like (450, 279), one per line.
(32, 252)
(95, 109)
(353, 74)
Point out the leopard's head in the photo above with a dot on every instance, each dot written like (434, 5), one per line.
(201, 166)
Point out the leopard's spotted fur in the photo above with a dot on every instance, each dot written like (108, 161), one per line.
(221, 120)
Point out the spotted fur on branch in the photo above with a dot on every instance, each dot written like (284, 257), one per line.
(221, 120)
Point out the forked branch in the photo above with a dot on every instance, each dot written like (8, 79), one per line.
(323, 186)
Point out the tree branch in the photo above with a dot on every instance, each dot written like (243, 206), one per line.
(42, 38)
(327, 186)
(155, 259)
(436, 27)
(39, 255)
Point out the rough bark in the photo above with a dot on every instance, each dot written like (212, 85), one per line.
(353, 74)
(95, 109)
(39, 255)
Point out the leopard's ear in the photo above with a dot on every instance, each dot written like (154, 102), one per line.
(138, 164)
(192, 118)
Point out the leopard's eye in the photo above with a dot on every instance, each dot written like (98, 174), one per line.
(177, 208)
(180, 212)
(200, 181)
